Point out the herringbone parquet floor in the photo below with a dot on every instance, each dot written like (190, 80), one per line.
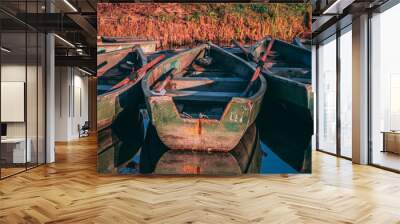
(70, 191)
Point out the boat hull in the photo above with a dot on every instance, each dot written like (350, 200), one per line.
(298, 97)
(293, 90)
(201, 134)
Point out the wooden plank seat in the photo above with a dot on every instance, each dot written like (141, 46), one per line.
(294, 75)
(127, 66)
(207, 84)
(272, 63)
(114, 74)
(290, 69)
(197, 69)
(303, 80)
(102, 64)
(202, 96)
(205, 73)
(273, 54)
(116, 77)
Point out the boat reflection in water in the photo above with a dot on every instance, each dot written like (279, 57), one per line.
(281, 143)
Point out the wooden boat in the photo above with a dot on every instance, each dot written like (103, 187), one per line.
(116, 43)
(288, 105)
(200, 99)
(114, 66)
(288, 73)
(286, 54)
(117, 113)
(290, 78)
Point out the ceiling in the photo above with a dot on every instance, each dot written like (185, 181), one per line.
(331, 15)
(74, 22)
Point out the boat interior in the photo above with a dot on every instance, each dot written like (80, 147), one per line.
(204, 88)
(125, 66)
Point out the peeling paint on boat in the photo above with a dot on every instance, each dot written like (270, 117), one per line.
(200, 134)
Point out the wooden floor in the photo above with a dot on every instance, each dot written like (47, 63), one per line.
(5, 172)
(70, 191)
(387, 159)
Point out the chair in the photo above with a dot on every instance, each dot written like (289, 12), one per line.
(84, 130)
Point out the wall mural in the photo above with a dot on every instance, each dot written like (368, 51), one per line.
(214, 89)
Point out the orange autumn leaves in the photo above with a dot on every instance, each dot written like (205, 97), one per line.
(179, 25)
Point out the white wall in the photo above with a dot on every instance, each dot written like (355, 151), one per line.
(71, 102)
(16, 73)
(81, 104)
(12, 73)
(61, 103)
(33, 127)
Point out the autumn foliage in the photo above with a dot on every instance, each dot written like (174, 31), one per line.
(177, 25)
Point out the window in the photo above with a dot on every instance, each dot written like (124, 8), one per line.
(327, 96)
(22, 77)
(385, 89)
(346, 74)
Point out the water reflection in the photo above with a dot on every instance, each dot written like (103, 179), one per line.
(272, 163)
(281, 146)
(287, 130)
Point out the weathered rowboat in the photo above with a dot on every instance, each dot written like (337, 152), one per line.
(117, 115)
(288, 104)
(285, 53)
(114, 66)
(288, 73)
(116, 43)
(200, 99)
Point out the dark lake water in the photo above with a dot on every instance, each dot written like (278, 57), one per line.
(284, 143)
(271, 163)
